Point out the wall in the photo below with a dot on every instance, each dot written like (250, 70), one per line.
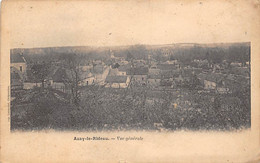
(209, 84)
(17, 65)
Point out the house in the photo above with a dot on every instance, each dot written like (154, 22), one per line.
(123, 69)
(98, 69)
(18, 62)
(153, 70)
(120, 71)
(17, 71)
(139, 63)
(171, 62)
(186, 74)
(61, 79)
(214, 82)
(166, 83)
(123, 62)
(113, 72)
(139, 75)
(153, 80)
(86, 67)
(167, 67)
(117, 81)
(86, 78)
(235, 64)
(166, 78)
(31, 85)
(210, 84)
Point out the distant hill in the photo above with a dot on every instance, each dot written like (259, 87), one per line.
(85, 49)
(54, 53)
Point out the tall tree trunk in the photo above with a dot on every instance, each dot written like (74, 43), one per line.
(42, 84)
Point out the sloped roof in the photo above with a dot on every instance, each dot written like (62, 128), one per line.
(113, 72)
(17, 58)
(166, 66)
(187, 72)
(214, 77)
(98, 69)
(154, 76)
(154, 71)
(167, 74)
(124, 67)
(116, 79)
(165, 83)
(85, 74)
(138, 71)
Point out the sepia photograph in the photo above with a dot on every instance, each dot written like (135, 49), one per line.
(139, 87)
(130, 81)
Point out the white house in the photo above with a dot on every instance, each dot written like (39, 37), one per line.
(117, 81)
(214, 81)
(18, 62)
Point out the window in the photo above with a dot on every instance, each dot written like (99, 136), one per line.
(21, 68)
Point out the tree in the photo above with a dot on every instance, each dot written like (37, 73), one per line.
(40, 72)
(129, 56)
(238, 54)
(138, 51)
(185, 59)
(215, 56)
(116, 65)
(71, 65)
(194, 82)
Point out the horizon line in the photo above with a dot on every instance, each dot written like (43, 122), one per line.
(107, 46)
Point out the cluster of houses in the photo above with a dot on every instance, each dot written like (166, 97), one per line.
(58, 77)
(137, 73)
(171, 74)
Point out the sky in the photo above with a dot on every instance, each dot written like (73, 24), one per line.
(109, 23)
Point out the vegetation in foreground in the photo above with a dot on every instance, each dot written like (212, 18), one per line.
(118, 109)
